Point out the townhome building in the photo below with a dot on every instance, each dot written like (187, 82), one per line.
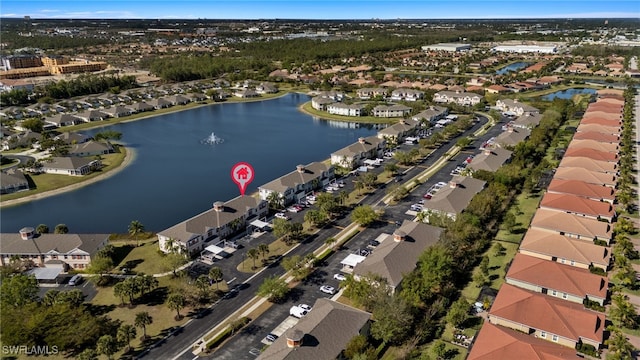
(457, 97)
(432, 114)
(337, 108)
(406, 94)
(369, 93)
(296, 185)
(516, 107)
(354, 155)
(388, 111)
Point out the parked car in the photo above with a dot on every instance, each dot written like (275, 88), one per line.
(271, 337)
(340, 277)
(374, 243)
(298, 312)
(75, 280)
(305, 307)
(365, 252)
(293, 209)
(327, 289)
(282, 215)
(416, 207)
(427, 196)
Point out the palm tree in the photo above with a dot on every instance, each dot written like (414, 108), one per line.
(619, 344)
(330, 241)
(119, 291)
(202, 283)
(176, 301)
(107, 345)
(61, 229)
(342, 196)
(253, 254)
(125, 333)
(136, 228)
(50, 297)
(215, 274)
(42, 229)
(147, 283)
(142, 320)
(275, 200)
(170, 244)
(264, 250)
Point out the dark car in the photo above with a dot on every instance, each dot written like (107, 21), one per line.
(374, 243)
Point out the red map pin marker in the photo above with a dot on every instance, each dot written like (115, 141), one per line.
(242, 175)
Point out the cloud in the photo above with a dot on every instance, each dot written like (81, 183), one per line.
(49, 11)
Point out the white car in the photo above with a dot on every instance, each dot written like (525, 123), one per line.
(282, 215)
(416, 207)
(297, 311)
(328, 289)
(293, 209)
(340, 277)
(305, 307)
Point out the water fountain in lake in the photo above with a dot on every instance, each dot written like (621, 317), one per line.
(212, 140)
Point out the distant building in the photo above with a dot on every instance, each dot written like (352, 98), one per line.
(452, 47)
(526, 49)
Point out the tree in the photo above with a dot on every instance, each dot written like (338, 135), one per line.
(364, 215)
(253, 254)
(264, 250)
(202, 283)
(106, 345)
(458, 313)
(88, 354)
(509, 221)
(146, 283)
(623, 312)
(126, 332)
(393, 320)
(19, 290)
(619, 346)
(330, 241)
(142, 320)
(50, 297)
(215, 274)
(61, 229)
(391, 168)
(119, 291)
(484, 266)
(274, 289)
(74, 298)
(135, 229)
(440, 349)
(174, 260)
(176, 301)
(42, 229)
(355, 346)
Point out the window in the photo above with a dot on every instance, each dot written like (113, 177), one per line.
(563, 261)
(543, 334)
(564, 295)
(554, 338)
(554, 293)
(573, 263)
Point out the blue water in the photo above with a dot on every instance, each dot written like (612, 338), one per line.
(175, 176)
(567, 94)
(512, 67)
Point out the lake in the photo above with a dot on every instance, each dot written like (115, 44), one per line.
(512, 67)
(177, 175)
(567, 94)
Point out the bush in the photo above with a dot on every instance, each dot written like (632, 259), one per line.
(597, 270)
(230, 330)
(593, 305)
(587, 350)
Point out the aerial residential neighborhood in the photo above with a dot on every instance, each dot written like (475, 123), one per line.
(417, 188)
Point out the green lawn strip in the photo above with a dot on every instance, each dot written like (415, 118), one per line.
(276, 249)
(145, 258)
(47, 182)
(527, 204)
(496, 270)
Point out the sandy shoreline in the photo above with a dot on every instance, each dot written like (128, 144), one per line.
(128, 159)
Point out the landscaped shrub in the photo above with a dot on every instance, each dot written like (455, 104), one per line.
(587, 350)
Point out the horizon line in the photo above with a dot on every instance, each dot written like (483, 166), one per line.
(322, 19)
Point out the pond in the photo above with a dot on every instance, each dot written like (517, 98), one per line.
(512, 67)
(568, 93)
(183, 161)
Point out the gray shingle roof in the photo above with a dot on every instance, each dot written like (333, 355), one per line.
(67, 163)
(311, 171)
(356, 148)
(12, 243)
(490, 160)
(453, 200)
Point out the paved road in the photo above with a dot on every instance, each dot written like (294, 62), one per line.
(179, 345)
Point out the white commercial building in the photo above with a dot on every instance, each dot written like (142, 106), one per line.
(447, 47)
(526, 49)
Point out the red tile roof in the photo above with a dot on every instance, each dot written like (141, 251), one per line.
(597, 136)
(570, 224)
(497, 342)
(599, 120)
(593, 154)
(545, 244)
(592, 144)
(591, 177)
(605, 107)
(599, 128)
(582, 188)
(567, 279)
(577, 204)
(542, 312)
(589, 164)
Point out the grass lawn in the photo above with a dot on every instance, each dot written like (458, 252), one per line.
(276, 249)
(394, 353)
(47, 182)
(145, 258)
(496, 270)
(527, 204)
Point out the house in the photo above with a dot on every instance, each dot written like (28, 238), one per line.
(606, 115)
(246, 93)
(60, 120)
(582, 189)
(12, 180)
(498, 89)
(346, 110)
(92, 115)
(180, 100)
(118, 111)
(597, 136)
(397, 254)
(322, 334)
(296, 185)
(331, 94)
(369, 93)
(406, 94)
(74, 166)
(397, 132)
(512, 136)
(23, 139)
(592, 144)
(527, 121)
(48, 250)
(516, 107)
(599, 120)
(388, 111)
(567, 282)
(70, 138)
(615, 130)
(457, 97)
(588, 176)
(355, 154)
(490, 159)
(432, 114)
(91, 148)
(266, 88)
(565, 250)
(593, 154)
(224, 219)
(571, 225)
(547, 318)
(573, 204)
(499, 342)
(590, 164)
(160, 103)
(454, 198)
(321, 103)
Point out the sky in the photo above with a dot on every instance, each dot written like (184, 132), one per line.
(314, 9)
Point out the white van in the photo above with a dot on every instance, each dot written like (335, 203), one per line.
(75, 280)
